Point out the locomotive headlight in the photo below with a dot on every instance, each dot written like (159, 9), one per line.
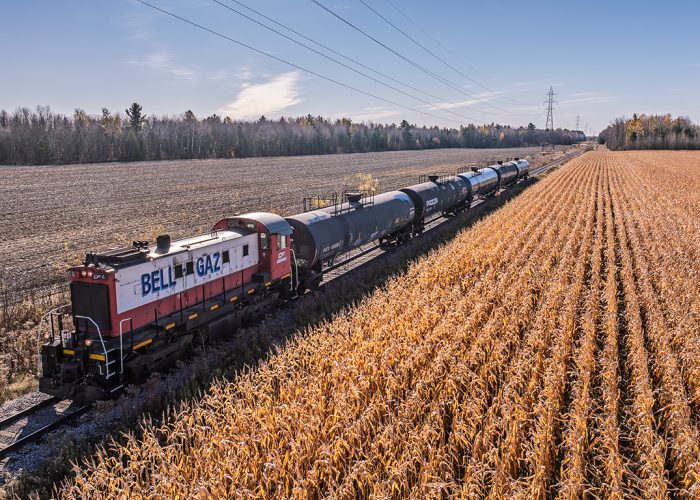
(89, 273)
(83, 273)
(88, 342)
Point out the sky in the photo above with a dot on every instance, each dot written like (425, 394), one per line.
(465, 61)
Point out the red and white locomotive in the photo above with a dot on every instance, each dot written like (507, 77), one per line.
(136, 309)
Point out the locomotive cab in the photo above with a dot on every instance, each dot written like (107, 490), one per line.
(273, 242)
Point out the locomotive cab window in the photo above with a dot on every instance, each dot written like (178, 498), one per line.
(281, 242)
(245, 250)
(264, 241)
(224, 257)
(189, 266)
(178, 271)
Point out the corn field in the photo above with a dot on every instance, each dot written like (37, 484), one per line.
(552, 350)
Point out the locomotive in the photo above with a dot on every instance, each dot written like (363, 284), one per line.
(137, 309)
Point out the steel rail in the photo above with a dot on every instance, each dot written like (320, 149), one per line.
(28, 411)
(43, 430)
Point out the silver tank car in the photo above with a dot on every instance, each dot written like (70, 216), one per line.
(435, 197)
(523, 167)
(481, 182)
(507, 173)
(323, 234)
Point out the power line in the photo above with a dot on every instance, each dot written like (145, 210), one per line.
(413, 63)
(340, 62)
(430, 51)
(447, 49)
(282, 25)
(301, 68)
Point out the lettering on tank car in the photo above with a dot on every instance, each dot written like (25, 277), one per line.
(431, 203)
(334, 246)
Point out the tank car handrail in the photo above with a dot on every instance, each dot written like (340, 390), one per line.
(295, 283)
(99, 334)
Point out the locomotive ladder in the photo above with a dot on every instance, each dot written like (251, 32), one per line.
(104, 347)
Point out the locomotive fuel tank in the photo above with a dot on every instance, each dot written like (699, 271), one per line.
(322, 234)
(434, 197)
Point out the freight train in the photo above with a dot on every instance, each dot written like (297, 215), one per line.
(138, 309)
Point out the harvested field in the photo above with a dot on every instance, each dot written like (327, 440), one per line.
(550, 350)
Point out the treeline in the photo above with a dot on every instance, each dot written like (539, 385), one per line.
(651, 132)
(42, 137)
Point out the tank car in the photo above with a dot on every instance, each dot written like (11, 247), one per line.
(437, 196)
(322, 235)
(523, 168)
(481, 182)
(507, 173)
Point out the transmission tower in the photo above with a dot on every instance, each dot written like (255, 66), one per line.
(549, 127)
(578, 122)
(550, 104)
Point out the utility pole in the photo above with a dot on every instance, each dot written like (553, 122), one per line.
(549, 126)
(578, 122)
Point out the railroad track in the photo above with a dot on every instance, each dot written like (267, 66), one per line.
(33, 422)
(555, 163)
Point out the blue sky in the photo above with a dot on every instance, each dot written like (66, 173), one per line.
(604, 59)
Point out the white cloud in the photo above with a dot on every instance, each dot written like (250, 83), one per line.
(370, 114)
(256, 99)
(478, 99)
(163, 61)
(588, 98)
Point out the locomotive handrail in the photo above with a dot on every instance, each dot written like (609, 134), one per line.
(121, 339)
(41, 324)
(99, 334)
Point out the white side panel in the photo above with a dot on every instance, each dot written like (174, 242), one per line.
(150, 281)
